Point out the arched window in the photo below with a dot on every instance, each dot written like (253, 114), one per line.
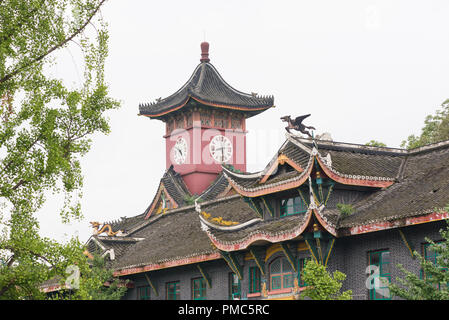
(281, 274)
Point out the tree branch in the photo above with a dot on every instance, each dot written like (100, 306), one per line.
(57, 46)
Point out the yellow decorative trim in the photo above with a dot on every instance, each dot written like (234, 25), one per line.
(329, 193)
(266, 205)
(404, 239)
(311, 251)
(264, 290)
(258, 265)
(272, 250)
(218, 220)
(302, 246)
(292, 263)
(330, 250)
(248, 256)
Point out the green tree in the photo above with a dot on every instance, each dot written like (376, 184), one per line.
(321, 285)
(94, 283)
(375, 143)
(45, 129)
(433, 282)
(436, 129)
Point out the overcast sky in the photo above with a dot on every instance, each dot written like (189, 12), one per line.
(364, 69)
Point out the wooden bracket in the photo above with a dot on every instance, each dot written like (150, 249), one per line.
(268, 206)
(254, 205)
(320, 246)
(289, 255)
(407, 243)
(232, 261)
(259, 255)
(205, 275)
(151, 284)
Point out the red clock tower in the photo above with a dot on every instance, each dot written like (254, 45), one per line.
(205, 124)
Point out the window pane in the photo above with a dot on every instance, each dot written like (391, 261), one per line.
(254, 278)
(276, 282)
(374, 258)
(381, 259)
(286, 266)
(275, 266)
(288, 281)
(386, 257)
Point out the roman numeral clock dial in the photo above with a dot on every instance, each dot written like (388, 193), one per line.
(220, 148)
(180, 151)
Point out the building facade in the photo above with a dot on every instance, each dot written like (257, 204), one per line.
(215, 231)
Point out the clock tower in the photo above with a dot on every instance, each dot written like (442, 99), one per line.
(205, 124)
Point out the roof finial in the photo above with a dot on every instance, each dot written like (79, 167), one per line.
(204, 52)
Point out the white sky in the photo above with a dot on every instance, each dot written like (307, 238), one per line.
(364, 69)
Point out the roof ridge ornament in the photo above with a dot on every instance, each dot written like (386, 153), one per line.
(205, 52)
(297, 125)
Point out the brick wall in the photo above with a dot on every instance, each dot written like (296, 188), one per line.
(349, 255)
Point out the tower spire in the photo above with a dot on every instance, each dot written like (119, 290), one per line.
(204, 52)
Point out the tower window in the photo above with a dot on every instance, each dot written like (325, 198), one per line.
(292, 206)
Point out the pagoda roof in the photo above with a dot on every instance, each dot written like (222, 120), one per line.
(207, 87)
(417, 192)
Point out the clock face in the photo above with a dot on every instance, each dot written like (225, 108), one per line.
(180, 151)
(220, 148)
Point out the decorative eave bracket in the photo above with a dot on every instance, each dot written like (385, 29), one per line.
(258, 255)
(205, 275)
(289, 255)
(320, 246)
(151, 284)
(407, 243)
(232, 261)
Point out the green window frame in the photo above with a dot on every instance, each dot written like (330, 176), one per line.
(254, 280)
(291, 206)
(281, 274)
(382, 260)
(198, 289)
(173, 290)
(301, 265)
(430, 255)
(144, 293)
(235, 291)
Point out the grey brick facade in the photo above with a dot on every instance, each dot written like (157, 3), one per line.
(349, 255)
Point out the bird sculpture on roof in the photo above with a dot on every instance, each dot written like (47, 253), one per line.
(296, 124)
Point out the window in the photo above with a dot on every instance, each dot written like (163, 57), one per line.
(144, 293)
(198, 289)
(301, 264)
(254, 280)
(234, 286)
(173, 290)
(381, 275)
(430, 255)
(281, 274)
(292, 206)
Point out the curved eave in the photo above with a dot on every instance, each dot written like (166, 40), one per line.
(396, 223)
(250, 109)
(355, 180)
(176, 262)
(272, 188)
(260, 235)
